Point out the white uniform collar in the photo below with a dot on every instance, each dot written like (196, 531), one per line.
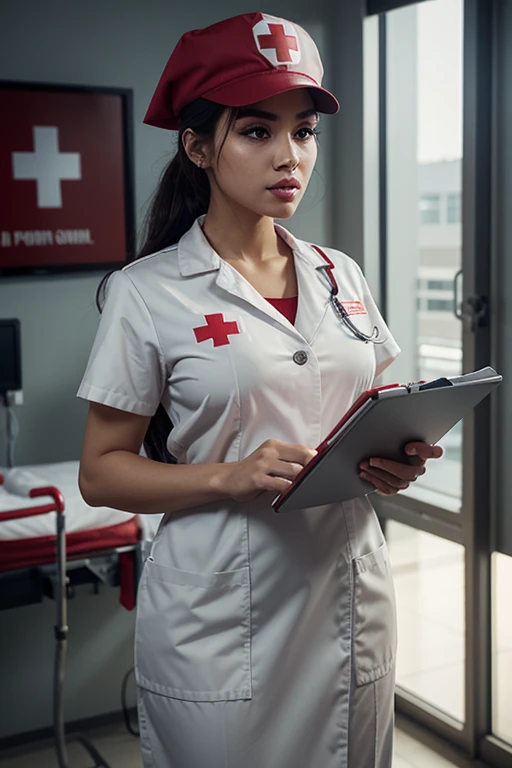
(196, 256)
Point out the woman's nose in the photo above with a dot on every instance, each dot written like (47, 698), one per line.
(286, 156)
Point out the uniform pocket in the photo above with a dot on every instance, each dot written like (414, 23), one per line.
(193, 634)
(374, 616)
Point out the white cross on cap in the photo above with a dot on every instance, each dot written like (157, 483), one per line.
(277, 40)
(47, 166)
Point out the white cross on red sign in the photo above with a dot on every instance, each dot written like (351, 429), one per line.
(64, 178)
(47, 166)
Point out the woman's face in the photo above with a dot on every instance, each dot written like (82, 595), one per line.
(268, 156)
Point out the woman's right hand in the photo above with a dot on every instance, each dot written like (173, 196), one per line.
(271, 467)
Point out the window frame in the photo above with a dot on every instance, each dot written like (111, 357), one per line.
(472, 527)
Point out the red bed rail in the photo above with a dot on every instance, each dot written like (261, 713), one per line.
(126, 559)
(56, 506)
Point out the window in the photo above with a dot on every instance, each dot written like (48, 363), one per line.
(429, 209)
(435, 294)
(440, 285)
(453, 215)
(423, 177)
(439, 305)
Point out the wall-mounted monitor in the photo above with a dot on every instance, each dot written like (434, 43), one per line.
(10, 356)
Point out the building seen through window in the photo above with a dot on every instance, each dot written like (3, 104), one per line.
(429, 209)
(453, 212)
(439, 246)
(440, 209)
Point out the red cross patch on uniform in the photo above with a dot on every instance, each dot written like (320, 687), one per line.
(217, 329)
(277, 41)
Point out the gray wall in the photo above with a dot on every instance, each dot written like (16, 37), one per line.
(100, 653)
(126, 45)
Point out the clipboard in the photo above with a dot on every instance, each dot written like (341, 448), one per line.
(379, 424)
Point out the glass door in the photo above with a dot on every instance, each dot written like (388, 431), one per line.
(436, 87)
(424, 156)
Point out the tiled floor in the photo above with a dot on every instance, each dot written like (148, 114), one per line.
(411, 754)
(121, 750)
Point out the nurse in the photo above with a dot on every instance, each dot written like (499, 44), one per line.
(262, 640)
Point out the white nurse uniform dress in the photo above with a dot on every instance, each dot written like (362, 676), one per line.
(263, 640)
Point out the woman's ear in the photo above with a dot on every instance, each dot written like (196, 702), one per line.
(194, 148)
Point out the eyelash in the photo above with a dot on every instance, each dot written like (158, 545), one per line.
(312, 132)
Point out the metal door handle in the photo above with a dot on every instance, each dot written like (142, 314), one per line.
(475, 308)
(457, 305)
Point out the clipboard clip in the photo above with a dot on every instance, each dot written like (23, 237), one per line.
(414, 386)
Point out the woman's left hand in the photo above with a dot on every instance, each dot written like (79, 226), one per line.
(389, 477)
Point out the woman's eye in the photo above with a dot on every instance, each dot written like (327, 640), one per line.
(307, 133)
(260, 132)
(257, 132)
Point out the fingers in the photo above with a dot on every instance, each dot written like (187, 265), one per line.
(390, 477)
(382, 487)
(384, 481)
(424, 450)
(276, 484)
(271, 467)
(295, 452)
(273, 450)
(395, 469)
(387, 474)
(287, 469)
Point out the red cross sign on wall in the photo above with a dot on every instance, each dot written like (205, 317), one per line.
(64, 176)
(217, 329)
(279, 40)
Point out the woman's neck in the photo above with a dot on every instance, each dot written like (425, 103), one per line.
(242, 237)
(252, 247)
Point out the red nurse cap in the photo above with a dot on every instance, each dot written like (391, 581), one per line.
(238, 62)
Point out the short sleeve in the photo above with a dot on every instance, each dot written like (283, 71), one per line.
(126, 369)
(386, 348)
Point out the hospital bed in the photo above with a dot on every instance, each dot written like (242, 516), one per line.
(103, 544)
(51, 541)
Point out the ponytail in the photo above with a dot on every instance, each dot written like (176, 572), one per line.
(183, 194)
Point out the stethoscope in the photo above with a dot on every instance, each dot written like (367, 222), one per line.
(340, 309)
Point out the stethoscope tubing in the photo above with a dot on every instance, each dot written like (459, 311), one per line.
(340, 309)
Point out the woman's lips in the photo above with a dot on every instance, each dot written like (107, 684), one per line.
(284, 193)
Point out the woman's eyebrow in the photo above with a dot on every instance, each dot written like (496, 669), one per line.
(307, 113)
(271, 116)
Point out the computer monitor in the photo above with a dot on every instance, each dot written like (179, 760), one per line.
(10, 356)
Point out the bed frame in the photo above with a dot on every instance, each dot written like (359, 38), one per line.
(57, 580)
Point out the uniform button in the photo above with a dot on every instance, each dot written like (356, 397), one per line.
(300, 357)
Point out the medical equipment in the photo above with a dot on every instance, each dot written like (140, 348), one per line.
(10, 355)
(29, 564)
(10, 378)
(340, 309)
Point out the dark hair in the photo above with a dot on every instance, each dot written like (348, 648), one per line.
(182, 194)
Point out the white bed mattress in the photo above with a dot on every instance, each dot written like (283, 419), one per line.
(79, 515)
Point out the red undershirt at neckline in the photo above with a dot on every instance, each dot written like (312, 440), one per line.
(286, 306)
